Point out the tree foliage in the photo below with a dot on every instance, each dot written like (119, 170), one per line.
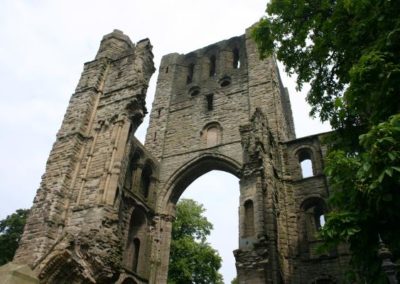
(349, 52)
(11, 230)
(192, 259)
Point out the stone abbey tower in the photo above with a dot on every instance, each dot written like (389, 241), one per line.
(105, 207)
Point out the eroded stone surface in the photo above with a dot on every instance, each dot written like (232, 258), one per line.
(105, 207)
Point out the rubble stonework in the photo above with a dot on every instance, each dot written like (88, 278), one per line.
(105, 207)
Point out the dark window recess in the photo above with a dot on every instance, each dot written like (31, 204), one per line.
(136, 249)
(210, 101)
(194, 91)
(189, 78)
(159, 112)
(166, 70)
(212, 66)
(236, 59)
(225, 81)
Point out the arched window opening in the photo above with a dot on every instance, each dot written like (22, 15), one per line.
(134, 254)
(194, 91)
(314, 209)
(189, 78)
(236, 59)
(166, 69)
(306, 163)
(136, 249)
(145, 180)
(212, 136)
(212, 66)
(248, 219)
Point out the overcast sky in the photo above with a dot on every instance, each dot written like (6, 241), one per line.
(43, 45)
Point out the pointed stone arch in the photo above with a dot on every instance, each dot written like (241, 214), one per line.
(195, 168)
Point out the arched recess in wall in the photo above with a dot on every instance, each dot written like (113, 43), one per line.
(313, 211)
(135, 251)
(61, 268)
(306, 160)
(195, 168)
(211, 134)
(248, 222)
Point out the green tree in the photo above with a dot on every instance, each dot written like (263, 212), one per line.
(349, 52)
(192, 259)
(11, 230)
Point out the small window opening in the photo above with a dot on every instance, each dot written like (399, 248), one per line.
(306, 168)
(306, 164)
(225, 81)
(189, 78)
(321, 220)
(236, 59)
(166, 70)
(136, 248)
(159, 112)
(194, 91)
(155, 136)
(212, 66)
(210, 101)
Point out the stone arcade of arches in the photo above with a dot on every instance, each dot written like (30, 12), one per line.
(105, 206)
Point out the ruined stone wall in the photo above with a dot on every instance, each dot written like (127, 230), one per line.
(73, 234)
(302, 207)
(105, 206)
(201, 100)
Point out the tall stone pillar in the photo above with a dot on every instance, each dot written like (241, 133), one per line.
(74, 230)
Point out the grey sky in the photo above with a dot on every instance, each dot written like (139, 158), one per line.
(43, 45)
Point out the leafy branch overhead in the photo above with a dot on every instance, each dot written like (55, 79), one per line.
(349, 52)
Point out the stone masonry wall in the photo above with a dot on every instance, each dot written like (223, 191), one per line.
(74, 219)
(105, 206)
